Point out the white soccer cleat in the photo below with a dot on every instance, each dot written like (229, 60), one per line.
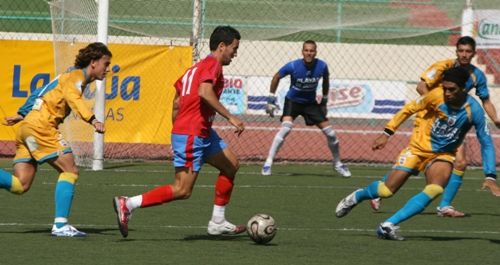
(225, 228)
(389, 231)
(449, 211)
(67, 231)
(343, 170)
(266, 170)
(346, 204)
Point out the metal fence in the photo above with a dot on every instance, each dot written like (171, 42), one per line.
(380, 46)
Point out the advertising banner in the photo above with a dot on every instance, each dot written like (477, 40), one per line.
(139, 88)
(346, 98)
(487, 28)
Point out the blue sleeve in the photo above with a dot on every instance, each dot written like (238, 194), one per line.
(481, 85)
(287, 69)
(28, 105)
(484, 137)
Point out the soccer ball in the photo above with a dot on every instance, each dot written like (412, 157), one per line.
(261, 228)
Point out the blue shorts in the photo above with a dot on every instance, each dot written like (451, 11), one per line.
(191, 151)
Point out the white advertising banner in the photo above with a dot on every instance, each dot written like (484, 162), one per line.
(346, 99)
(487, 28)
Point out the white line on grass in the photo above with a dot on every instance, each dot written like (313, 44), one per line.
(141, 171)
(138, 227)
(322, 187)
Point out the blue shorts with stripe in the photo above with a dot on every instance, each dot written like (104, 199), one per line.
(191, 151)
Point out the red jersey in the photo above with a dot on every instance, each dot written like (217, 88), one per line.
(194, 116)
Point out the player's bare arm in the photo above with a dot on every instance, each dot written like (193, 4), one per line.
(9, 121)
(208, 96)
(175, 106)
(422, 88)
(380, 142)
(274, 83)
(271, 100)
(491, 111)
(98, 126)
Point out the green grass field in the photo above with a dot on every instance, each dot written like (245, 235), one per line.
(302, 199)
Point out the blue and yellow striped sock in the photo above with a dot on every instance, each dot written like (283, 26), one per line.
(376, 189)
(10, 182)
(416, 204)
(369, 192)
(65, 189)
(452, 188)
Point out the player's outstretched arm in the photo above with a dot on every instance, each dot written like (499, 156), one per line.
(491, 111)
(9, 121)
(271, 99)
(98, 126)
(380, 142)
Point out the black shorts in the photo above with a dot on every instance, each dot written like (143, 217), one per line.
(312, 112)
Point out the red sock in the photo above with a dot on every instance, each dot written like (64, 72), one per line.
(157, 196)
(223, 189)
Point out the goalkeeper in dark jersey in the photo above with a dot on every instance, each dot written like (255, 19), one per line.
(305, 75)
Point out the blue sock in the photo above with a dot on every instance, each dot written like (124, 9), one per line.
(63, 200)
(413, 207)
(451, 190)
(5, 180)
(368, 193)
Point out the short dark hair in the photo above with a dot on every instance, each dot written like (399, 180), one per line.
(93, 51)
(309, 42)
(466, 40)
(458, 75)
(225, 34)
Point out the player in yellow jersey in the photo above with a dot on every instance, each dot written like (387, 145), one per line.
(450, 114)
(38, 139)
(432, 79)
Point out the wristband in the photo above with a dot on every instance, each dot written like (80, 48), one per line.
(388, 132)
(92, 119)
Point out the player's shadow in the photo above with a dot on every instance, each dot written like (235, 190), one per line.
(88, 231)
(467, 215)
(437, 238)
(215, 238)
(299, 174)
(448, 238)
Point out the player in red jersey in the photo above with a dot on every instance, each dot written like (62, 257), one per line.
(193, 139)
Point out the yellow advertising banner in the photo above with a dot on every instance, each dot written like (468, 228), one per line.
(139, 88)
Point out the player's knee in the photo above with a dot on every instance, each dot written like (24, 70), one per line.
(384, 191)
(460, 164)
(330, 134)
(183, 193)
(433, 190)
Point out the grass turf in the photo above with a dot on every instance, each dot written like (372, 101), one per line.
(302, 198)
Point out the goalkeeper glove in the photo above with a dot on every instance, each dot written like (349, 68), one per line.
(271, 105)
